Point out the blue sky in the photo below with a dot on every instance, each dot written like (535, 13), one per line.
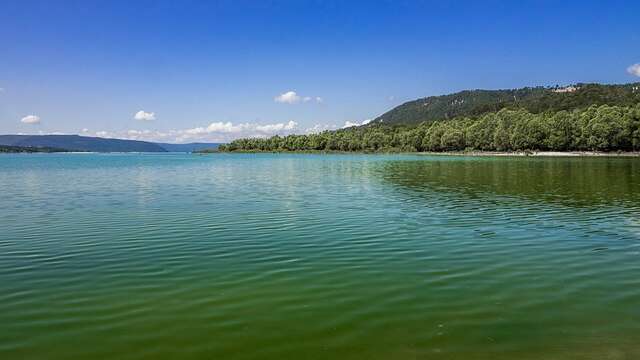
(213, 71)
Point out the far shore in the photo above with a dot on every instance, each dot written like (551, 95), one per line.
(537, 153)
(450, 153)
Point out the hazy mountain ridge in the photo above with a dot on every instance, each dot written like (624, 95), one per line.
(95, 144)
(80, 143)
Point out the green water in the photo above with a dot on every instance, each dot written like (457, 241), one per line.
(318, 257)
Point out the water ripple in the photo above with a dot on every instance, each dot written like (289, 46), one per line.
(318, 256)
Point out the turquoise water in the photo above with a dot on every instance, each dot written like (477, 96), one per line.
(266, 256)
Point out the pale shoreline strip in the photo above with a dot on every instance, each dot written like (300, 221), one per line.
(535, 153)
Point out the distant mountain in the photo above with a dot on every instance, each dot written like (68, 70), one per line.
(191, 147)
(80, 143)
(95, 144)
(472, 103)
(28, 149)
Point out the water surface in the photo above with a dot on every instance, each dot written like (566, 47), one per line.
(263, 256)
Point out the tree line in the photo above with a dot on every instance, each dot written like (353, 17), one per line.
(596, 128)
(29, 149)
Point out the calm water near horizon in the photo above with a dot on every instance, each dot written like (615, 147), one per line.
(293, 256)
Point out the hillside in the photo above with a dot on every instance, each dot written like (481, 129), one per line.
(604, 128)
(80, 143)
(473, 103)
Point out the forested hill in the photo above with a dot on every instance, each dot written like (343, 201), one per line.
(473, 103)
(595, 128)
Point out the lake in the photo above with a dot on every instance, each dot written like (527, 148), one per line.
(294, 256)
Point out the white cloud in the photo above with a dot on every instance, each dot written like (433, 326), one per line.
(30, 119)
(273, 128)
(318, 128)
(351, 124)
(289, 97)
(144, 116)
(634, 69)
(214, 132)
(227, 127)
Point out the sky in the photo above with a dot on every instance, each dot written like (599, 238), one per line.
(186, 71)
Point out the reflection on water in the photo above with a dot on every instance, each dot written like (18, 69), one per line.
(281, 256)
(565, 181)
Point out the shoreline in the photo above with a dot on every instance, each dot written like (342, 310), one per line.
(424, 153)
(536, 153)
(449, 153)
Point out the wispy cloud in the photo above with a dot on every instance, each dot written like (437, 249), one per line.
(144, 116)
(352, 124)
(214, 132)
(318, 128)
(30, 119)
(634, 69)
(291, 97)
(274, 128)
